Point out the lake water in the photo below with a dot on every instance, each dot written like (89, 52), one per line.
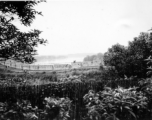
(68, 60)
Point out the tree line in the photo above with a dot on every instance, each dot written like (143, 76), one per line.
(132, 60)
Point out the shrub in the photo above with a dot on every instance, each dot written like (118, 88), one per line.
(22, 110)
(17, 111)
(57, 107)
(116, 104)
(145, 86)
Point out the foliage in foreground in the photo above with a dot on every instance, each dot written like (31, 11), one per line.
(23, 110)
(116, 104)
(146, 88)
(123, 104)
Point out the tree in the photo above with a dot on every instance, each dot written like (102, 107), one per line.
(98, 56)
(89, 58)
(14, 44)
(138, 51)
(149, 58)
(130, 61)
(116, 57)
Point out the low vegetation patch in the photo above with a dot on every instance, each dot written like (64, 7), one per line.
(116, 104)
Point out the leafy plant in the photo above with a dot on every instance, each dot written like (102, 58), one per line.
(145, 86)
(116, 104)
(57, 107)
(22, 110)
(18, 110)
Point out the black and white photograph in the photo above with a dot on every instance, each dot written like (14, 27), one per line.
(76, 60)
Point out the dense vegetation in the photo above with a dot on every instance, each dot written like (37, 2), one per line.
(98, 56)
(107, 103)
(22, 110)
(91, 95)
(15, 44)
(105, 100)
(131, 60)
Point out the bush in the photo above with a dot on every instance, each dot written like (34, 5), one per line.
(22, 110)
(57, 107)
(116, 104)
(145, 86)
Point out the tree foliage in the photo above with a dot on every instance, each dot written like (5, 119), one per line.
(98, 56)
(149, 58)
(116, 57)
(14, 44)
(138, 51)
(130, 61)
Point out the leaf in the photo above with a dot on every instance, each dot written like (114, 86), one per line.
(132, 114)
(128, 108)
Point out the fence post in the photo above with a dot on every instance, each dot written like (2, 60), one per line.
(15, 64)
(38, 67)
(22, 66)
(10, 63)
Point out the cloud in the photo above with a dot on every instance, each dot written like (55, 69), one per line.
(126, 26)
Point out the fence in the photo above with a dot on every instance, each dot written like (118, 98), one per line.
(75, 91)
(50, 67)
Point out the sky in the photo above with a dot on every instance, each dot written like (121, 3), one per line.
(90, 26)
